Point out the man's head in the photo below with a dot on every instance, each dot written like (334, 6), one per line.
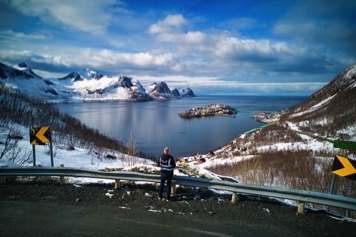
(166, 150)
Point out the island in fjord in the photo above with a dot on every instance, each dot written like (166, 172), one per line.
(209, 110)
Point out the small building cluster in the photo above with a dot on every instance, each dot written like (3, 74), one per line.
(209, 110)
(265, 117)
(196, 159)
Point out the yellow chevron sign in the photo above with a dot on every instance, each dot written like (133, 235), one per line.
(40, 136)
(344, 167)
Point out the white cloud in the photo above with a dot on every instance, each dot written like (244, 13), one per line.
(20, 35)
(97, 59)
(83, 15)
(241, 48)
(104, 58)
(168, 24)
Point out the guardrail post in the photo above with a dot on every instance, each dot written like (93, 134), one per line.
(234, 198)
(301, 208)
(61, 178)
(347, 214)
(173, 189)
(117, 184)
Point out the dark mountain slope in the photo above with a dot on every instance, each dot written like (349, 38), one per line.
(11, 72)
(329, 110)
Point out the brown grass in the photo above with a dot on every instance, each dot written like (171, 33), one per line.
(293, 170)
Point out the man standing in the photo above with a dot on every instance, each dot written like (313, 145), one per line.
(167, 164)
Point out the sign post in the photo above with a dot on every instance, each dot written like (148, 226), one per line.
(40, 136)
(34, 155)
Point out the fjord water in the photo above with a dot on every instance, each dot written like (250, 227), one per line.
(156, 124)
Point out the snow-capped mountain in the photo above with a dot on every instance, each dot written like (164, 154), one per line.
(329, 112)
(23, 79)
(161, 91)
(90, 86)
(184, 92)
(86, 85)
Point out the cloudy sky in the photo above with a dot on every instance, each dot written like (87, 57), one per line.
(238, 47)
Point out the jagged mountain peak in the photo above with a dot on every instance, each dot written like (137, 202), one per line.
(125, 81)
(24, 68)
(345, 79)
(350, 72)
(93, 74)
(22, 65)
(73, 76)
(160, 90)
(186, 92)
(159, 87)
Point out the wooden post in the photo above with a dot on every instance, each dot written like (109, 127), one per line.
(61, 178)
(301, 208)
(234, 198)
(117, 184)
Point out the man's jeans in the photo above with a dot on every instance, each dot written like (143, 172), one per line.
(165, 176)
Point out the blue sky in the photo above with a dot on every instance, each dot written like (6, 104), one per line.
(234, 47)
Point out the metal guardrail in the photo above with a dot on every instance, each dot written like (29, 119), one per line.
(291, 194)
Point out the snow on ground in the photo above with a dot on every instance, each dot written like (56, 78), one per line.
(78, 158)
(224, 161)
(314, 107)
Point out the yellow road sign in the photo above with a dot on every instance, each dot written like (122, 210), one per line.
(40, 136)
(344, 167)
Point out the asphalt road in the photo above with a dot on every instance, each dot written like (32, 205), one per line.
(49, 209)
(44, 219)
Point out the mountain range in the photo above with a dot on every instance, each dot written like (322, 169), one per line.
(86, 85)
